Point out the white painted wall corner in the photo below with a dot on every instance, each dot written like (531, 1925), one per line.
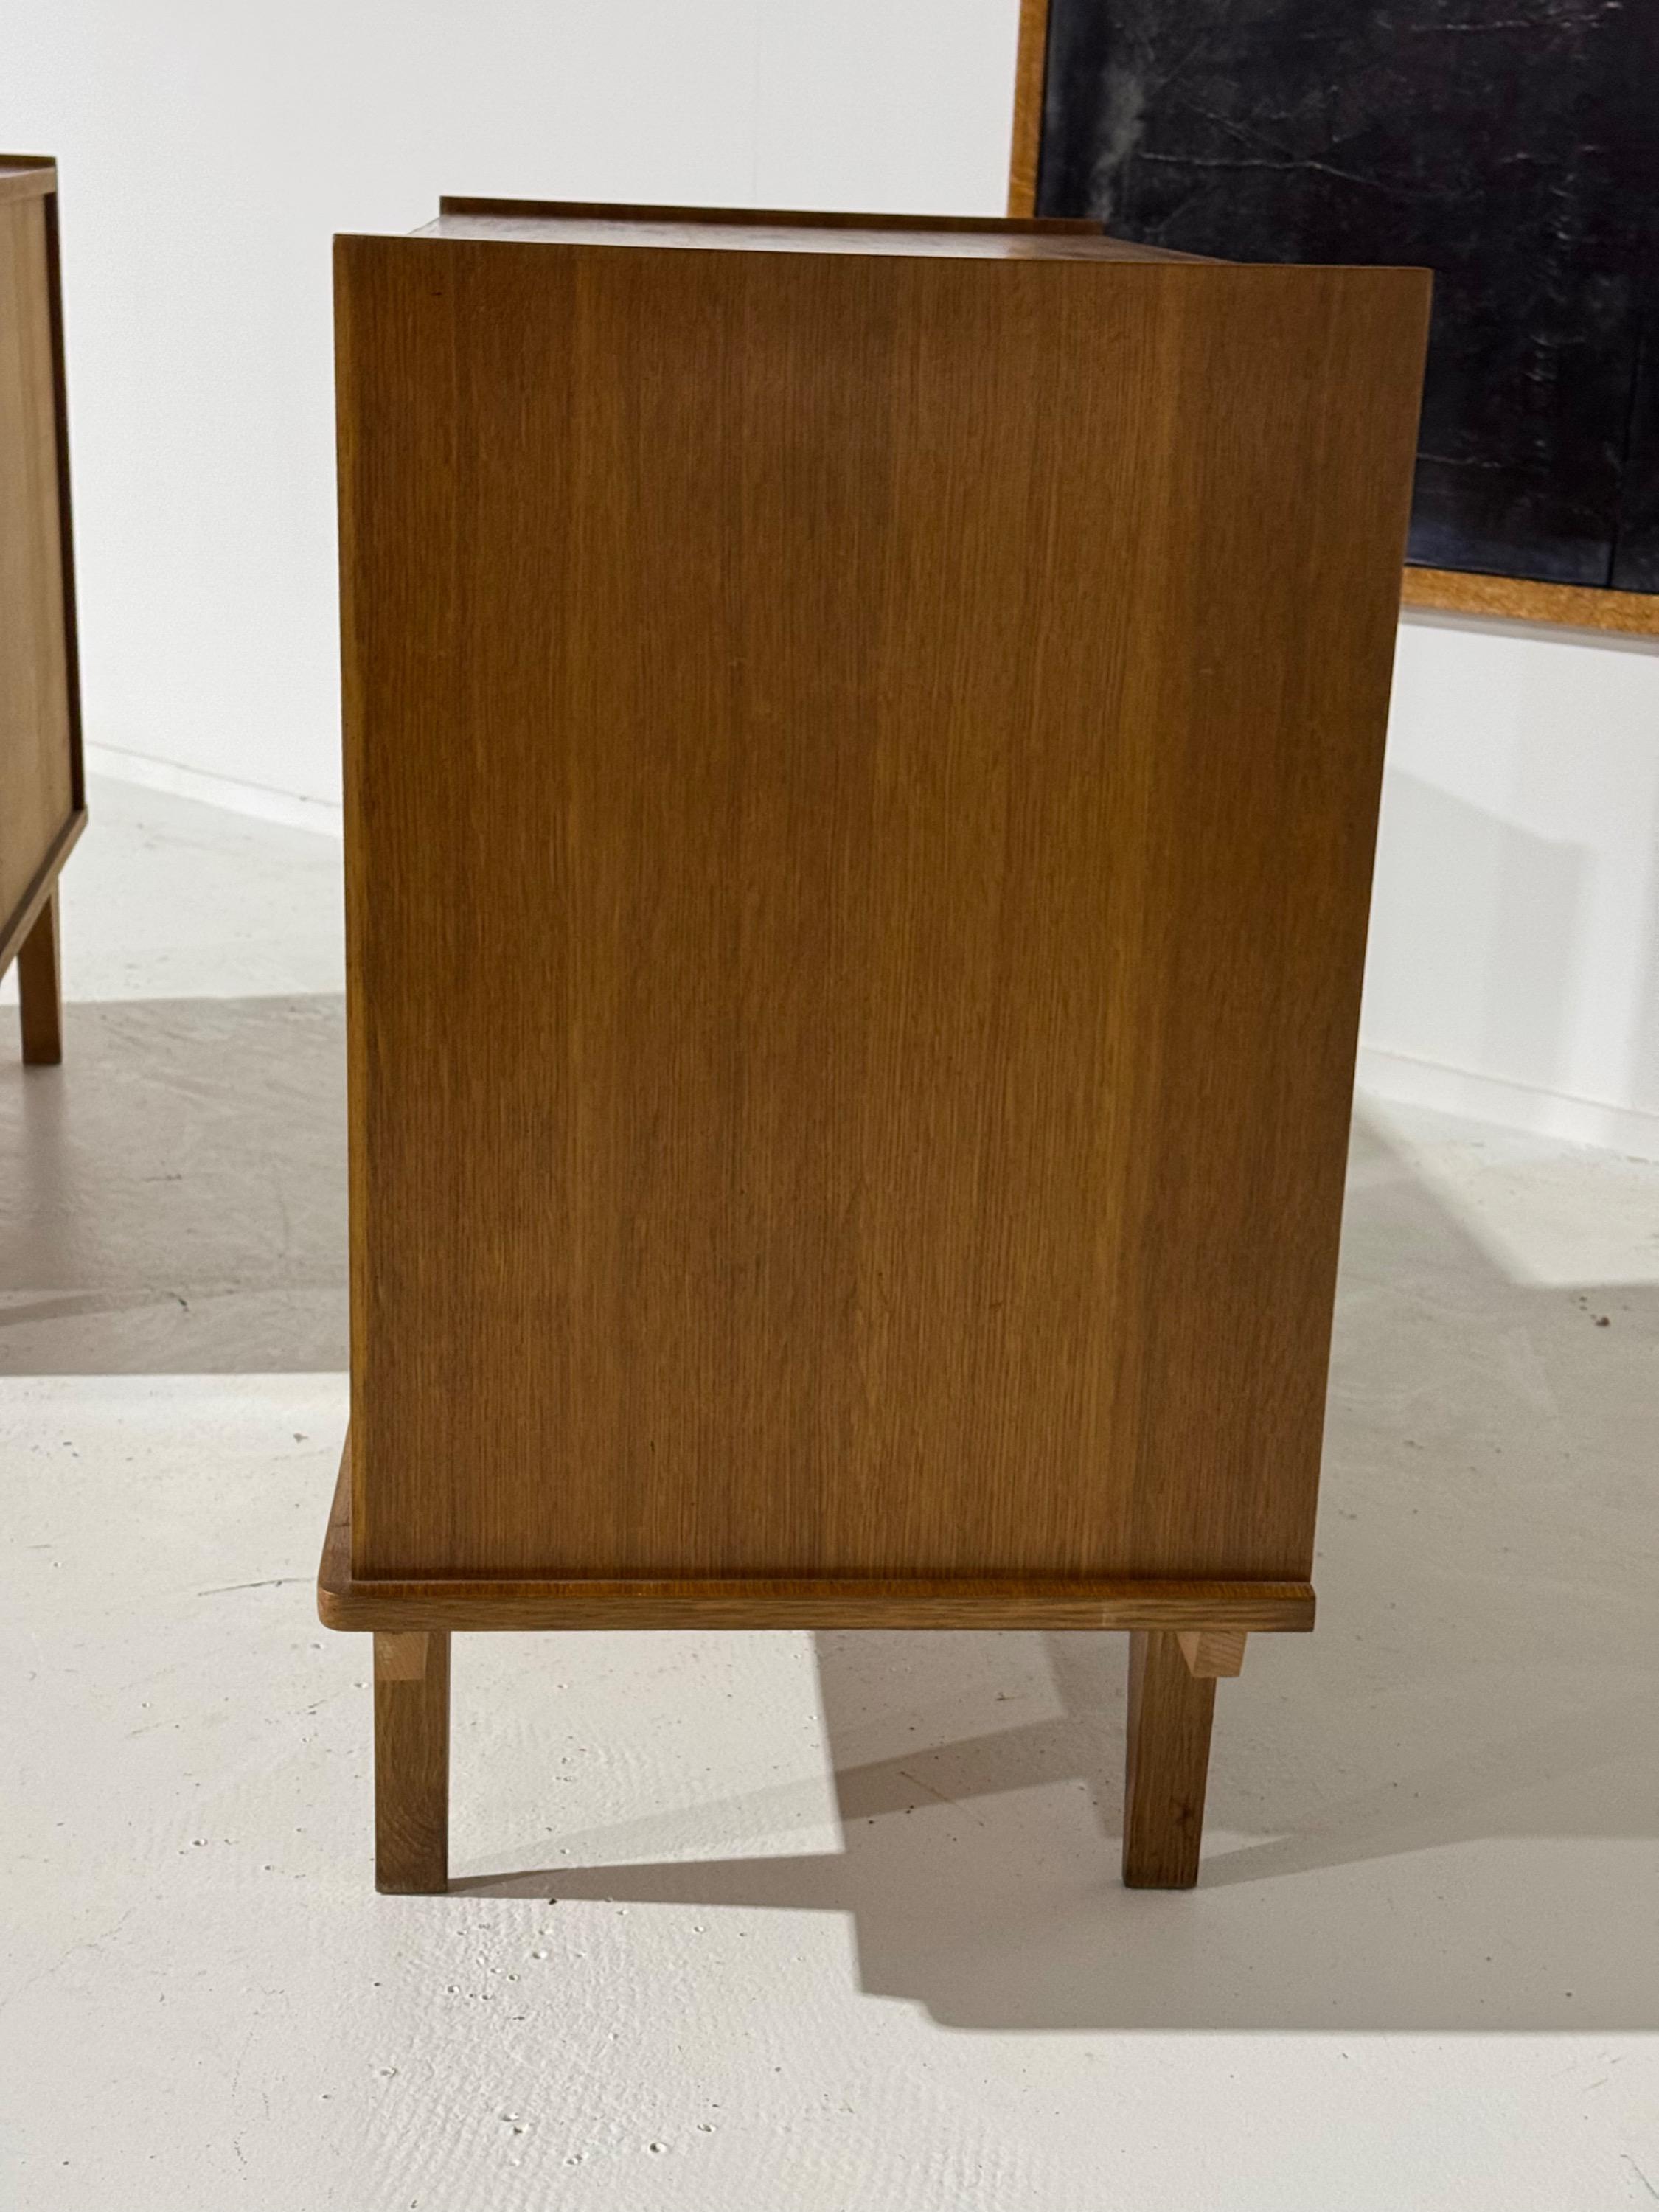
(231, 792)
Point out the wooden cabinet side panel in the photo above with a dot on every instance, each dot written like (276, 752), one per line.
(860, 782)
(37, 773)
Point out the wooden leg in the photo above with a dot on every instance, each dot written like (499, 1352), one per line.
(412, 1763)
(40, 995)
(1169, 1714)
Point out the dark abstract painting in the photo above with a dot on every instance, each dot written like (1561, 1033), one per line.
(1511, 146)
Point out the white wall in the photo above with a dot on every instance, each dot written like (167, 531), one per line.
(1514, 971)
(209, 148)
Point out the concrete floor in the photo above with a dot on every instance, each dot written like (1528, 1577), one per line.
(784, 1923)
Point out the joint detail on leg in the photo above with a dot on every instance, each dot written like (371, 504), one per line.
(401, 1655)
(1212, 1654)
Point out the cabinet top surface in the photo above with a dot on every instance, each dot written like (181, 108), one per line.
(754, 231)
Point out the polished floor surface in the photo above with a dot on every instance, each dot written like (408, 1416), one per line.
(783, 1923)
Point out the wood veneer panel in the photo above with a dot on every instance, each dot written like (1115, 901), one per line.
(38, 792)
(861, 773)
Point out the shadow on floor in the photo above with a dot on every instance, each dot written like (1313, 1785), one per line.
(173, 1198)
(1490, 1884)
(1440, 1812)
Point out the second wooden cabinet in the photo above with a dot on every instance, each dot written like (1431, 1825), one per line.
(42, 794)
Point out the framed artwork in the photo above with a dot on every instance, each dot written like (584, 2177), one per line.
(1511, 146)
